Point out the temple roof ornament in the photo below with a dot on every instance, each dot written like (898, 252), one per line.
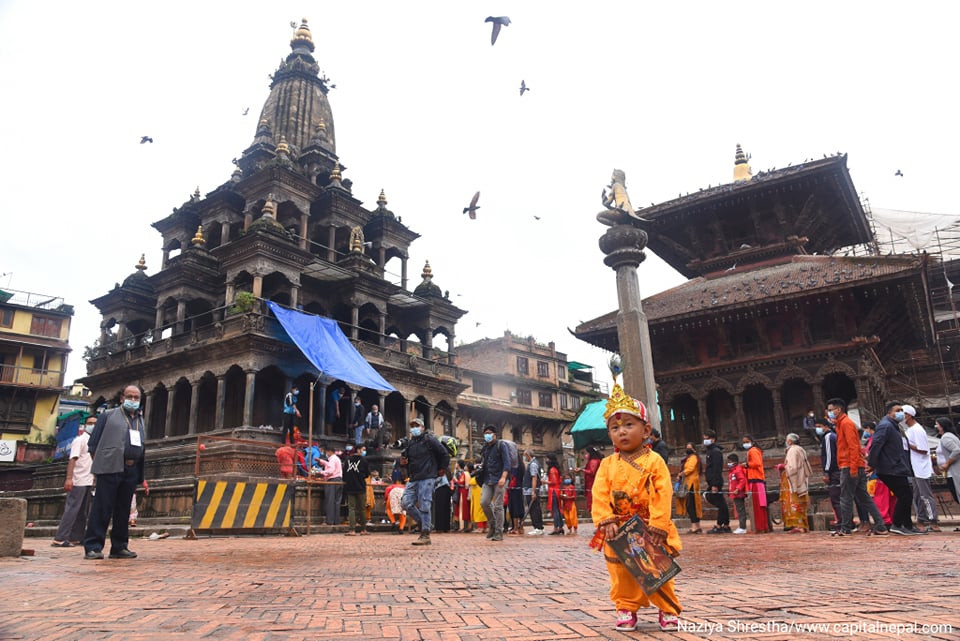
(427, 271)
(428, 287)
(198, 239)
(356, 240)
(741, 166)
(382, 200)
(282, 146)
(142, 263)
(302, 36)
(336, 177)
(269, 209)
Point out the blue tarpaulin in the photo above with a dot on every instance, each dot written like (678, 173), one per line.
(325, 345)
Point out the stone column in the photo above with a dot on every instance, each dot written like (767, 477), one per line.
(166, 257)
(168, 423)
(354, 322)
(158, 324)
(247, 220)
(248, 397)
(304, 219)
(147, 409)
(181, 314)
(194, 406)
(230, 293)
(221, 401)
(381, 328)
(623, 246)
(778, 419)
(427, 346)
(224, 233)
(428, 417)
(294, 296)
(819, 403)
(381, 255)
(258, 286)
(403, 272)
(703, 420)
(331, 241)
(451, 356)
(741, 421)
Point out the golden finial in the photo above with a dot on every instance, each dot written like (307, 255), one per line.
(283, 147)
(356, 240)
(142, 263)
(741, 168)
(269, 208)
(382, 199)
(335, 174)
(322, 125)
(198, 240)
(302, 35)
(427, 271)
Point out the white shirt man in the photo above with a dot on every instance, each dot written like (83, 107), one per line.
(923, 501)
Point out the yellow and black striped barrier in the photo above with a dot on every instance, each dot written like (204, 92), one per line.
(246, 506)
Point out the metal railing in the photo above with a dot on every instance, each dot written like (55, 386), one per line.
(20, 375)
(33, 299)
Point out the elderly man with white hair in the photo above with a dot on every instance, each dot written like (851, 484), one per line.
(795, 486)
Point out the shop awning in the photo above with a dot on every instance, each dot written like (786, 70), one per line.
(590, 426)
(331, 352)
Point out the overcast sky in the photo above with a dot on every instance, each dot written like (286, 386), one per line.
(426, 109)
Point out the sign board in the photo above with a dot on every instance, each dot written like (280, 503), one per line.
(8, 451)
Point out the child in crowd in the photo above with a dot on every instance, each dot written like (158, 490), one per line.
(568, 503)
(395, 511)
(476, 512)
(737, 476)
(634, 480)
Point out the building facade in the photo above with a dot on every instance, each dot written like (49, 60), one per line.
(526, 389)
(789, 303)
(34, 336)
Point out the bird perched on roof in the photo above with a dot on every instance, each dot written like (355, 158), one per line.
(472, 209)
(145, 139)
(498, 21)
(523, 87)
(899, 173)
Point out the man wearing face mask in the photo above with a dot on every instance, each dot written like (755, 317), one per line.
(714, 476)
(117, 448)
(924, 503)
(427, 459)
(853, 480)
(496, 470)
(78, 486)
(886, 457)
(828, 456)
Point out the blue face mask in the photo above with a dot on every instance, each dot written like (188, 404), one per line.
(707, 441)
(133, 406)
(364, 453)
(416, 431)
(832, 414)
(819, 431)
(488, 437)
(898, 417)
(567, 481)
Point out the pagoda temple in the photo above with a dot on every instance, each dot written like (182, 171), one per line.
(789, 303)
(287, 228)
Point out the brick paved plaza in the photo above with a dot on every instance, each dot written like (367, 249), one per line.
(465, 588)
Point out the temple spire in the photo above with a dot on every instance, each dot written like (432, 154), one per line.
(302, 37)
(741, 166)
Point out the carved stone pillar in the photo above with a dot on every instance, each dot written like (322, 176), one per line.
(248, 396)
(704, 419)
(258, 286)
(819, 403)
(451, 355)
(221, 402)
(194, 406)
(181, 314)
(778, 419)
(247, 220)
(403, 272)
(381, 328)
(354, 322)
(146, 408)
(224, 233)
(331, 241)
(294, 296)
(166, 257)
(428, 417)
(168, 423)
(740, 420)
(304, 220)
(230, 293)
(623, 246)
(427, 346)
(159, 322)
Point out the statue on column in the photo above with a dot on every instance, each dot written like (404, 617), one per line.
(614, 197)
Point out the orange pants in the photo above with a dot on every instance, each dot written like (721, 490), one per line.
(393, 518)
(570, 514)
(627, 594)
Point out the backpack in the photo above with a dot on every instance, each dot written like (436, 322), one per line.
(451, 443)
(512, 461)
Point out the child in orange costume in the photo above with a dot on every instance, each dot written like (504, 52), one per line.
(568, 501)
(634, 480)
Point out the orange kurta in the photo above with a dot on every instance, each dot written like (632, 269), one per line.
(621, 490)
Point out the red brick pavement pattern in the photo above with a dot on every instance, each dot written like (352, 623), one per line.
(465, 588)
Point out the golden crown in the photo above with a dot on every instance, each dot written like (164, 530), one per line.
(621, 402)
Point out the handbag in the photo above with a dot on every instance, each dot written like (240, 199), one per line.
(680, 489)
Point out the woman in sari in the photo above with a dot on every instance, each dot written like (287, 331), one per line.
(794, 486)
(689, 477)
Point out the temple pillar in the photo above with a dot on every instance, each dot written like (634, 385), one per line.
(221, 402)
(381, 256)
(319, 419)
(451, 356)
(247, 220)
(740, 420)
(778, 419)
(702, 419)
(168, 423)
(294, 296)
(158, 323)
(331, 241)
(194, 407)
(181, 315)
(166, 257)
(428, 417)
(304, 220)
(426, 348)
(224, 233)
(146, 408)
(230, 293)
(248, 396)
(381, 328)
(258, 286)
(623, 246)
(819, 403)
(354, 322)
(403, 272)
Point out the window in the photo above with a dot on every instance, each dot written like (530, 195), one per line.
(545, 399)
(39, 362)
(523, 397)
(6, 317)
(563, 401)
(537, 435)
(16, 411)
(517, 434)
(523, 367)
(574, 402)
(543, 369)
(483, 386)
(45, 326)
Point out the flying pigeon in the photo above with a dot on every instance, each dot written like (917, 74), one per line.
(899, 173)
(538, 218)
(246, 110)
(523, 87)
(472, 209)
(497, 23)
(145, 139)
